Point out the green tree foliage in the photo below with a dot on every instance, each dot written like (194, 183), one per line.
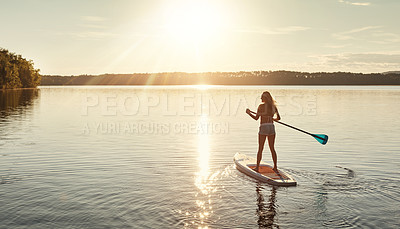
(17, 72)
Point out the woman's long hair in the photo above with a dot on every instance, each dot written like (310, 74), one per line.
(269, 101)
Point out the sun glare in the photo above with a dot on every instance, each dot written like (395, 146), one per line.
(202, 86)
(192, 21)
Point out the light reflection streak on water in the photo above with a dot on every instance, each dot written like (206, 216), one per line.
(203, 179)
(204, 155)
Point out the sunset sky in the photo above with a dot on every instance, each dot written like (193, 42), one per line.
(125, 36)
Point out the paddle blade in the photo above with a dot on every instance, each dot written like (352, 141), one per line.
(321, 138)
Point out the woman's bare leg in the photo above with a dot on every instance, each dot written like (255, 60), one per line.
(261, 142)
(271, 143)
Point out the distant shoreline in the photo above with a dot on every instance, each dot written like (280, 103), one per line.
(19, 88)
(214, 85)
(227, 78)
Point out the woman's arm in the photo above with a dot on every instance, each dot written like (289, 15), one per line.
(278, 117)
(249, 112)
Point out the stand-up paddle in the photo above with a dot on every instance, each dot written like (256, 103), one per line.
(321, 138)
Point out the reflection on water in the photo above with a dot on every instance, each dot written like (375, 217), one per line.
(16, 100)
(204, 156)
(14, 107)
(266, 212)
(202, 182)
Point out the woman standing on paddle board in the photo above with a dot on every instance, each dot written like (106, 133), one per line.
(266, 110)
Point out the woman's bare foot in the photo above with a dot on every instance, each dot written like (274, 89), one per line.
(256, 169)
(276, 170)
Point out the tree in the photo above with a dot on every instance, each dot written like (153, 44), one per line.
(17, 72)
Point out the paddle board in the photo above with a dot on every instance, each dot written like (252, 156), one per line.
(246, 164)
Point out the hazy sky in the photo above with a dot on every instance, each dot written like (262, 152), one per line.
(125, 36)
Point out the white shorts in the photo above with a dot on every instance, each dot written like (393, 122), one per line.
(267, 129)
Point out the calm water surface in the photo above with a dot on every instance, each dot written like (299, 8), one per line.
(161, 157)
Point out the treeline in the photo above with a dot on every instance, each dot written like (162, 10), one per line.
(17, 72)
(228, 78)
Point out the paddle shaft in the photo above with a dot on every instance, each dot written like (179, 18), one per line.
(315, 136)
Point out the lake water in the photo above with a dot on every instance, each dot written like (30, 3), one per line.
(161, 157)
